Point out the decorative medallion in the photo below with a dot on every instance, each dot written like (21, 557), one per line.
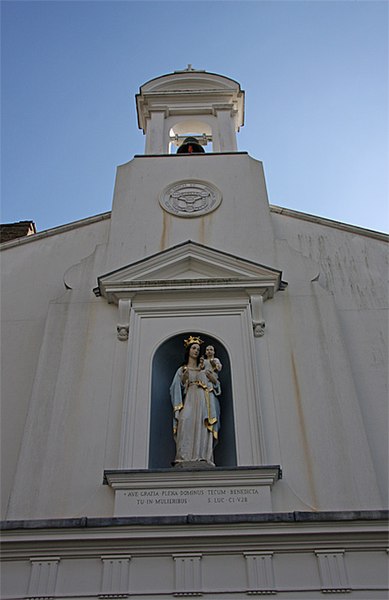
(190, 198)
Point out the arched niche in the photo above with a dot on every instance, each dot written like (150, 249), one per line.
(167, 358)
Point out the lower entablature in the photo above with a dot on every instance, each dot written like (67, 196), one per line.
(291, 555)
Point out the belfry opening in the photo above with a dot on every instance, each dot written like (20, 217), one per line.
(190, 146)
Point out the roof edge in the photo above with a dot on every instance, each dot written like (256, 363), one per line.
(185, 72)
(55, 230)
(294, 214)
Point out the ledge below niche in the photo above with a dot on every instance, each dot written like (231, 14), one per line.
(170, 492)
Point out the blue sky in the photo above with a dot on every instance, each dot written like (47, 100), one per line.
(315, 75)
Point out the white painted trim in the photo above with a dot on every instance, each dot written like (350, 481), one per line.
(154, 322)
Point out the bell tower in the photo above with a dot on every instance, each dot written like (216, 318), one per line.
(193, 103)
(191, 182)
(192, 216)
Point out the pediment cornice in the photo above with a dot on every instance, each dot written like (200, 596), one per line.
(189, 267)
(194, 269)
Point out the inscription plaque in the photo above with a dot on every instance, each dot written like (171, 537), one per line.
(158, 493)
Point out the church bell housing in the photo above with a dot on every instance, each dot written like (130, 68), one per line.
(195, 399)
(187, 103)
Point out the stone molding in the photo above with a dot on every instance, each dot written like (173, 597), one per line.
(209, 271)
(56, 230)
(354, 229)
(116, 576)
(43, 577)
(344, 530)
(380, 517)
(187, 574)
(187, 93)
(332, 570)
(305, 539)
(260, 573)
(171, 314)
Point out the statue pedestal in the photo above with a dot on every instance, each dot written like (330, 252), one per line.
(174, 492)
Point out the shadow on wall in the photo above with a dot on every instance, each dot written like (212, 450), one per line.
(167, 359)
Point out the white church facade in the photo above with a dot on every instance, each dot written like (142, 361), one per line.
(95, 315)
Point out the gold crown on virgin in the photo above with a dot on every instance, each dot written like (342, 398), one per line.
(193, 339)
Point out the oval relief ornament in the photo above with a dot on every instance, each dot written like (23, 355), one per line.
(190, 198)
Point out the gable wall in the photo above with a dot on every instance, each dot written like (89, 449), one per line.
(350, 268)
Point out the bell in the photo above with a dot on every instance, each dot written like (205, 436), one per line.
(190, 146)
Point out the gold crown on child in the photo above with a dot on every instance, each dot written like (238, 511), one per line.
(193, 340)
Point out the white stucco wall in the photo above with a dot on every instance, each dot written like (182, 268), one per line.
(353, 267)
(241, 225)
(32, 273)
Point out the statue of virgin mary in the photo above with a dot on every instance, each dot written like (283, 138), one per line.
(196, 412)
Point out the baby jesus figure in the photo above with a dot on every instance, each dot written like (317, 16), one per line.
(210, 362)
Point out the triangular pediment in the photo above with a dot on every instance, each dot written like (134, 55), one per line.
(188, 266)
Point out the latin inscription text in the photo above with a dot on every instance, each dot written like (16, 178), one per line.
(182, 496)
